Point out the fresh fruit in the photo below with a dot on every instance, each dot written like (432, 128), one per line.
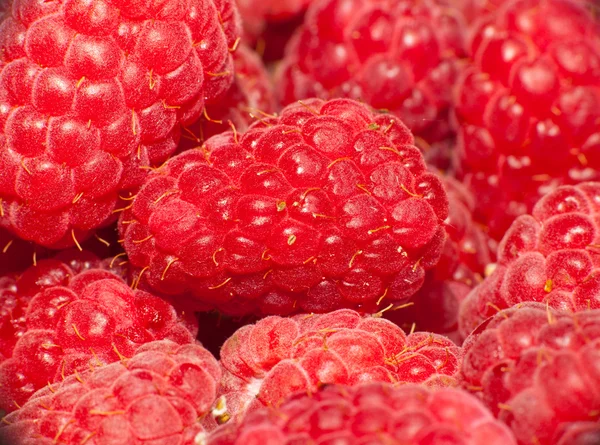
(266, 362)
(537, 369)
(397, 55)
(371, 413)
(154, 397)
(528, 105)
(329, 205)
(550, 256)
(467, 252)
(81, 320)
(250, 97)
(92, 94)
(17, 291)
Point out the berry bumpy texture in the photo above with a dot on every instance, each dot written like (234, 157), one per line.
(92, 93)
(398, 55)
(250, 97)
(538, 370)
(551, 256)
(528, 105)
(17, 291)
(153, 398)
(369, 414)
(78, 321)
(467, 252)
(329, 205)
(266, 362)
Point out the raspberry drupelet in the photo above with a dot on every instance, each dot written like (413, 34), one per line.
(266, 362)
(370, 414)
(528, 106)
(538, 369)
(397, 55)
(92, 94)
(154, 397)
(550, 256)
(329, 205)
(468, 251)
(75, 315)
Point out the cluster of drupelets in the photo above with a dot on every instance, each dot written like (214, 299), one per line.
(300, 222)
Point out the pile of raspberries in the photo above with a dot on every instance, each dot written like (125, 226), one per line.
(299, 222)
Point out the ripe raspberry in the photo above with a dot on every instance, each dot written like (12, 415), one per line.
(92, 92)
(537, 369)
(328, 206)
(373, 50)
(250, 96)
(153, 398)
(371, 413)
(266, 362)
(76, 321)
(529, 106)
(17, 291)
(16, 254)
(551, 256)
(467, 252)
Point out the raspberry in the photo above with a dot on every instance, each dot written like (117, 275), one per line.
(467, 252)
(250, 96)
(76, 321)
(373, 50)
(154, 397)
(528, 105)
(266, 362)
(92, 93)
(17, 292)
(478, 9)
(538, 369)
(371, 413)
(550, 256)
(327, 206)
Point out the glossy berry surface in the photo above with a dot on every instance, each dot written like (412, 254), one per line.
(250, 97)
(528, 106)
(93, 93)
(266, 362)
(77, 320)
(550, 256)
(329, 205)
(154, 397)
(400, 56)
(371, 414)
(467, 252)
(538, 370)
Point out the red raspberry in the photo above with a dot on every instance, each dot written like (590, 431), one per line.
(398, 55)
(266, 362)
(16, 292)
(467, 252)
(250, 96)
(92, 92)
(529, 106)
(537, 369)
(371, 413)
(80, 320)
(153, 398)
(551, 256)
(328, 206)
